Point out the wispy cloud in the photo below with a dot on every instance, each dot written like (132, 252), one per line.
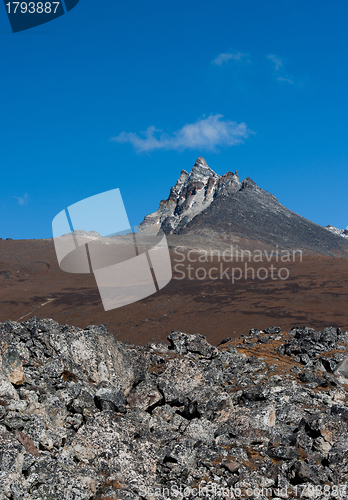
(23, 200)
(283, 79)
(206, 133)
(222, 58)
(278, 62)
(280, 74)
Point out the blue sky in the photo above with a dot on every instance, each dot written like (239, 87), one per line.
(260, 87)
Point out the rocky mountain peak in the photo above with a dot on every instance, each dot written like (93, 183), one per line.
(201, 169)
(201, 161)
(192, 193)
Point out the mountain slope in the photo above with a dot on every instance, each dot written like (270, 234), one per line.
(254, 213)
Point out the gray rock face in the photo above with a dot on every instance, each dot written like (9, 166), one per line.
(342, 368)
(91, 418)
(183, 343)
(191, 194)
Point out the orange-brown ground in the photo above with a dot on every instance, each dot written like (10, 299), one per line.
(315, 294)
(282, 365)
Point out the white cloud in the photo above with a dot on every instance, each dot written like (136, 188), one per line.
(280, 74)
(205, 133)
(23, 200)
(288, 80)
(222, 58)
(278, 63)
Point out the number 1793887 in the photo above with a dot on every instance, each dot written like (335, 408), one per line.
(32, 7)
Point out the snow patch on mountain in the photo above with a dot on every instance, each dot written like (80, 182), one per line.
(338, 232)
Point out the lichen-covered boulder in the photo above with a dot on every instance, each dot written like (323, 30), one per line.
(113, 444)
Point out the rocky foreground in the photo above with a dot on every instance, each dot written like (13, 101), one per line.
(83, 416)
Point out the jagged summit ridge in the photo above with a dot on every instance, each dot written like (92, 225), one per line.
(192, 193)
